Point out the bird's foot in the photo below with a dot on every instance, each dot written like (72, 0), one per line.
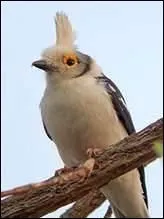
(86, 169)
(66, 169)
(89, 165)
(93, 152)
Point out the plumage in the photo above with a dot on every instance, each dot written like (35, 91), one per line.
(65, 36)
(123, 114)
(81, 108)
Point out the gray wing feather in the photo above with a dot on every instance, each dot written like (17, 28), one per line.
(124, 116)
(46, 131)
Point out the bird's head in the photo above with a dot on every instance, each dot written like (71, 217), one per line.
(63, 61)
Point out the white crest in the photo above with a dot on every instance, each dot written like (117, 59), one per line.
(65, 36)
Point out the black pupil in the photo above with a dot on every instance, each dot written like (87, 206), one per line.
(70, 62)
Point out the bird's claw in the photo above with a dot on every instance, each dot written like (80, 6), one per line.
(89, 165)
(93, 152)
(64, 170)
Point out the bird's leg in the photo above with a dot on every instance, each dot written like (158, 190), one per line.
(88, 165)
(92, 153)
(65, 169)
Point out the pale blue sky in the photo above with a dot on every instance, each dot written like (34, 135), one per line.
(126, 40)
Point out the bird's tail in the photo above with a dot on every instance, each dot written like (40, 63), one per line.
(117, 213)
(126, 196)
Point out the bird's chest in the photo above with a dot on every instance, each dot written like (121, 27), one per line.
(77, 118)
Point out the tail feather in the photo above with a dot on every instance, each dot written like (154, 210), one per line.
(117, 212)
(126, 196)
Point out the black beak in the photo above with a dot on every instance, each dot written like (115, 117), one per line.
(42, 64)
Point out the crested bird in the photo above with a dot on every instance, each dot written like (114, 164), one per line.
(81, 109)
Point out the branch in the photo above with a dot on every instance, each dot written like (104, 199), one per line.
(46, 197)
(108, 214)
(85, 205)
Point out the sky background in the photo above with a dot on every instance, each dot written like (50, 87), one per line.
(126, 39)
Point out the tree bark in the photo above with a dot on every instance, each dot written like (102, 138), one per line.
(130, 153)
(84, 206)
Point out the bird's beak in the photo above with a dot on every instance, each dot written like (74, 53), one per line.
(42, 64)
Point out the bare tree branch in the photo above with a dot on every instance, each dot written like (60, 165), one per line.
(118, 159)
(85, 205)
(108, 213)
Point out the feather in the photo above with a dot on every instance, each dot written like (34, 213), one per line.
(124, 116)
(65, 36)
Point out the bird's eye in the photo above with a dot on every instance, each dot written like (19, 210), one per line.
(70, 60)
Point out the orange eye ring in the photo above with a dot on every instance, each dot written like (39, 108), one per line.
(70, 60)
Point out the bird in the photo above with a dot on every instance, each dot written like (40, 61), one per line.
(82, 108)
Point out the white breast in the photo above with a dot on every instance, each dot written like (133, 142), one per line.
(79, 114)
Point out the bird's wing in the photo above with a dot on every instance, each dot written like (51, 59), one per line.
(46, 131)
(124, 116)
